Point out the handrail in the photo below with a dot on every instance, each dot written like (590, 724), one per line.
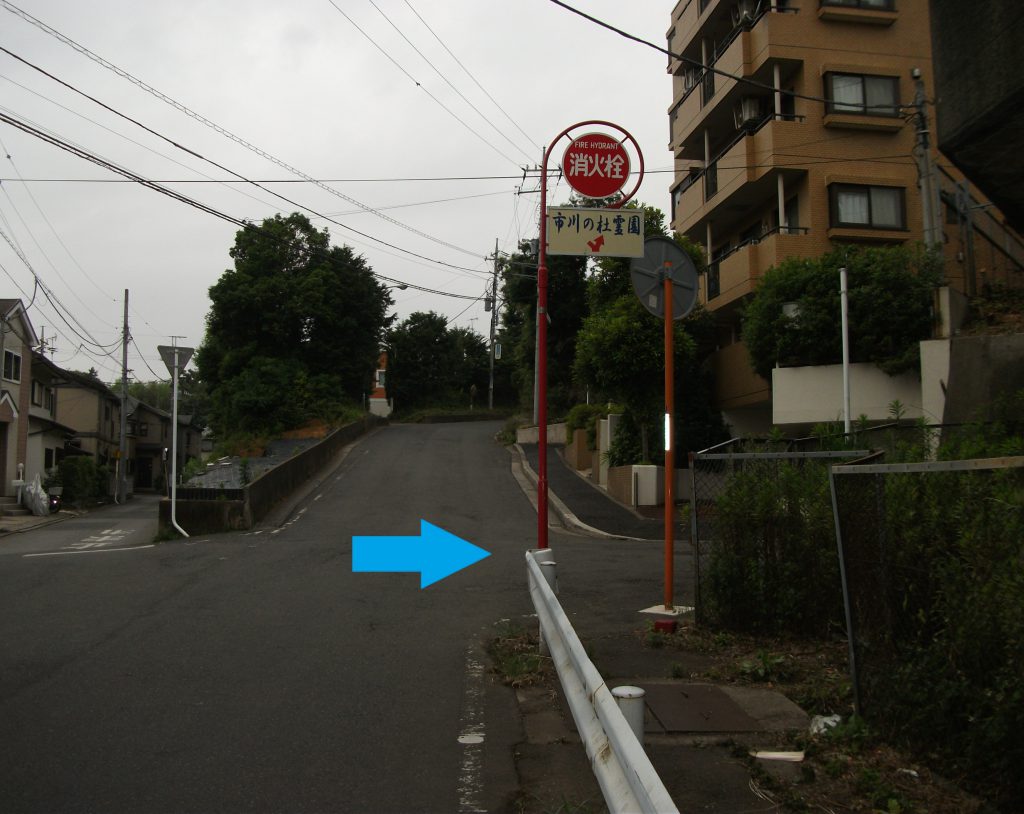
(628, 781)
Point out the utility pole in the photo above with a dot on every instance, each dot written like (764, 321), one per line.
(494, 312)
(930, 203)
(122, 457)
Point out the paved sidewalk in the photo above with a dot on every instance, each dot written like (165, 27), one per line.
(590, 505)
(691, 726)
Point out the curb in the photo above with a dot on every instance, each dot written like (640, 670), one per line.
(564, 513)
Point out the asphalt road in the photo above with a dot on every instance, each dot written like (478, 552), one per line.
(256, 672)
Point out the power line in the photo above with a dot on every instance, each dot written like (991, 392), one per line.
(447, 81)
(470, 74)
(191, 152)
(418, 84)
(81, 153)
(696, 63)
(218, 129)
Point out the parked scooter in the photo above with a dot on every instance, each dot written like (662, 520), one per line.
(56, 493)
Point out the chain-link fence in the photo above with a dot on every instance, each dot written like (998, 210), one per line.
(908, 536)
(932, 558)
(761, 529)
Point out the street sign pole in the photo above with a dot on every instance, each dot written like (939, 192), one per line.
(665, 281)
(541, 389)
(175, 358)
(174, 450)
(670, 463)
(542, 359)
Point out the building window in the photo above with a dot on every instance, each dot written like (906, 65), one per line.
(37, 394)
(874, 5)
(714, 283)
(862, 95)
(143, 429)
(48, 459)
(12, 366)
(867, 207)
(50, 400)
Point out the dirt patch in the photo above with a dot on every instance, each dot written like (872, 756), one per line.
(847, 768)
(314, 428)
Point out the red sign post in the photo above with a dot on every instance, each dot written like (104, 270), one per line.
(595, 165)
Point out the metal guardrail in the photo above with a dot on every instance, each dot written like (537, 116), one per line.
(620, 764)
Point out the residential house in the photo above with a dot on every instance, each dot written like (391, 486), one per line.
(48, 439)
(17, 338)
(816, 151)
(150, 429)
(93, 411)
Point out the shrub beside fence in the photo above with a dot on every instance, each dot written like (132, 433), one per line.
(764, 540)
(932, 559)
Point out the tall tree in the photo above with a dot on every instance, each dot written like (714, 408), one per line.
(432, 365)
(293, 330)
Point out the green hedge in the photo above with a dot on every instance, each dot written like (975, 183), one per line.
(84, 481)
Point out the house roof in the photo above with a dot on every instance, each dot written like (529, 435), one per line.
(72, 377)
(14, 308)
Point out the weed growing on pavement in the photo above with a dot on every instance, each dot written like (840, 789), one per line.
(515, 655)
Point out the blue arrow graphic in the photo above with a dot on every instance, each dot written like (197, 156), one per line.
(434, 555)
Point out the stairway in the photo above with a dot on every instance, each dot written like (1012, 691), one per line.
(9, 507)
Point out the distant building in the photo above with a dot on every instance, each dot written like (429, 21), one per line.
(379, 402)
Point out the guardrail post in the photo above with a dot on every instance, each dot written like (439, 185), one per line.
(631, 702)
(545, 558)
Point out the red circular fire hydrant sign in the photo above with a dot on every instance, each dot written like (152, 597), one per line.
(596, 165)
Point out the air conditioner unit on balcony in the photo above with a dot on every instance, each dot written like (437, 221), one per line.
(744, 11)
(747, 112)
(691, 77)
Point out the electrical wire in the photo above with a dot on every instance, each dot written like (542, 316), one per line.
(462, 96)
(470, 74)
(696, 63)
(216, 127)
(81, 153)
(239, 176)
(418, 84)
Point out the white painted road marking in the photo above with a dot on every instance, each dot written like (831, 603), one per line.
(91, 551)
(471, 737)
(105, 538)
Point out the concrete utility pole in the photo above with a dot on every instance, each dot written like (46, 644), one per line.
(121, 490)
(494, 312)
(931, 207)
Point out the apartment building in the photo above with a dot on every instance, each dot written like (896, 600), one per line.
(816, 150)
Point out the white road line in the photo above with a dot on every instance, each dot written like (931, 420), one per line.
(471, 737)
(318, 497)
(91, 551)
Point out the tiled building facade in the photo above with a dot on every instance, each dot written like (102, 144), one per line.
(816, 150)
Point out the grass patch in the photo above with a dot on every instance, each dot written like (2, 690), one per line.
(515, 657)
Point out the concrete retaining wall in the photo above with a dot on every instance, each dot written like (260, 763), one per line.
(531, 435)
(209, 515)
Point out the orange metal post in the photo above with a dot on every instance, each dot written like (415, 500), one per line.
(669, 443)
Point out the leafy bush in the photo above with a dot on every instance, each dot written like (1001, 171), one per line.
(890, 309)
(946, 670)
(84, 481)
(773, 565)
(585, 417)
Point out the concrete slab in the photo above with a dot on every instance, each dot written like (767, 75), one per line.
(696, 708)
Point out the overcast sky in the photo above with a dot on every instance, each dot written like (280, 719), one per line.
(300, 83)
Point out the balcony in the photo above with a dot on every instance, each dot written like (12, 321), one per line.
(743, 176)
(734, 275)
(748, 51)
